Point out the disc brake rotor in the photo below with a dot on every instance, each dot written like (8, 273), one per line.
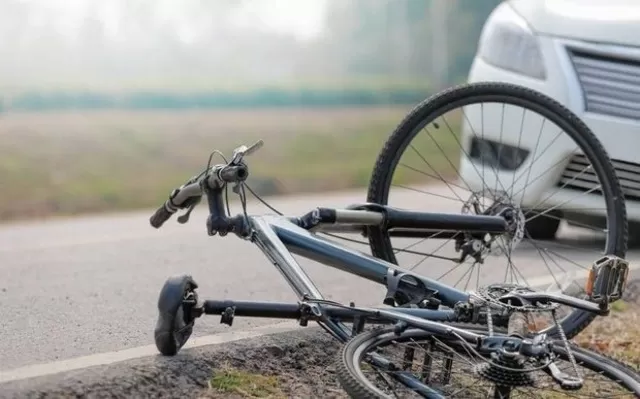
(513, 215)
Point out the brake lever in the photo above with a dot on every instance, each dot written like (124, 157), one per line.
(242, 151)
(184, 218)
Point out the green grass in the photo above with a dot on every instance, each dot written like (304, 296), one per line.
(345, 161)
(232, 381)
(619, 306)
(616, 335)
(62, 164)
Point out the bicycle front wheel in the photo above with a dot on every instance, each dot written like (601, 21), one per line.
(484, 148)
(451, 369)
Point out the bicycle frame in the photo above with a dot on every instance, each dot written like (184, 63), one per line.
(280, 237)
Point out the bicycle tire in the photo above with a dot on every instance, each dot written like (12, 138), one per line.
(461, 95)
(352, 381)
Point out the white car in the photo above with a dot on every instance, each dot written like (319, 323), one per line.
(586, 55)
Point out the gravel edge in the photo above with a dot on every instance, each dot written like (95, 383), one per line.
(303, 360)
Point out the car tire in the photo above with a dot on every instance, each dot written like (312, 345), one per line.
(543, 228)
(634, 233)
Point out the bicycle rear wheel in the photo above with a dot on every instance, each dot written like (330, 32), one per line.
(484, 147)
(451, 369)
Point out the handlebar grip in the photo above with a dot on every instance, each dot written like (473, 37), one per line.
(160, 216)
(232, 174)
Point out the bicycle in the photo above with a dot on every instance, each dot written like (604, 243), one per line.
(491, 323)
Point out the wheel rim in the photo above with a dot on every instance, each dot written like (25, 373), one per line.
(562, 260)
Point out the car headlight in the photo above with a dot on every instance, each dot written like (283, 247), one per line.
(507, 42)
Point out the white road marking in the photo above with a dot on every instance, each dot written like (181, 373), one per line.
(101, 359)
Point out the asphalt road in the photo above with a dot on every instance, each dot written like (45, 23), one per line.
(81, 286)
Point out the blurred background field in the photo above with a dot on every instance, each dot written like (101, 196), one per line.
(80, 162)
(109, 105)
(70, 163)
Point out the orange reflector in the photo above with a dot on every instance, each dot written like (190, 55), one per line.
(590, 281)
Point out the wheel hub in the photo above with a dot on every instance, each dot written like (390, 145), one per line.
(495, 245)
(515, 224)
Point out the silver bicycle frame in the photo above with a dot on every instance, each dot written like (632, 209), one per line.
(279, 238)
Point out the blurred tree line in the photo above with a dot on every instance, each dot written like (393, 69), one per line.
(147, 48)
(423, 39)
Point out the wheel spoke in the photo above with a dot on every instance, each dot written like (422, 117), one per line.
(535, 149)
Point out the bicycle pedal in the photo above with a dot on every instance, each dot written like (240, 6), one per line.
(607, 279)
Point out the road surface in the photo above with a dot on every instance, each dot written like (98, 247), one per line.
(81, 286)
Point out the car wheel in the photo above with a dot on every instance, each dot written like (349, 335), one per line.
(634, 233)
(543, 227)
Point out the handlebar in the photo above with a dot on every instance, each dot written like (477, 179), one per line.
(231, 174)
(210, 182)
(160, 216)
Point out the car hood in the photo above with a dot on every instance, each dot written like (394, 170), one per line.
(604, 21)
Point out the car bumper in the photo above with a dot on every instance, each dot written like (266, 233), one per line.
(548, 180)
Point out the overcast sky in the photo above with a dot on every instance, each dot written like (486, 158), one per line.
(303, 18)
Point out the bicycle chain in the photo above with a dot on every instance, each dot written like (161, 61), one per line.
(565, 342)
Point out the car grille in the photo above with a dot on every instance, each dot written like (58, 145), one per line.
(576, 177)
(611, 86)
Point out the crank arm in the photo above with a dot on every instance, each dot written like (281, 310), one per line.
(546, 298)
(605, 284)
